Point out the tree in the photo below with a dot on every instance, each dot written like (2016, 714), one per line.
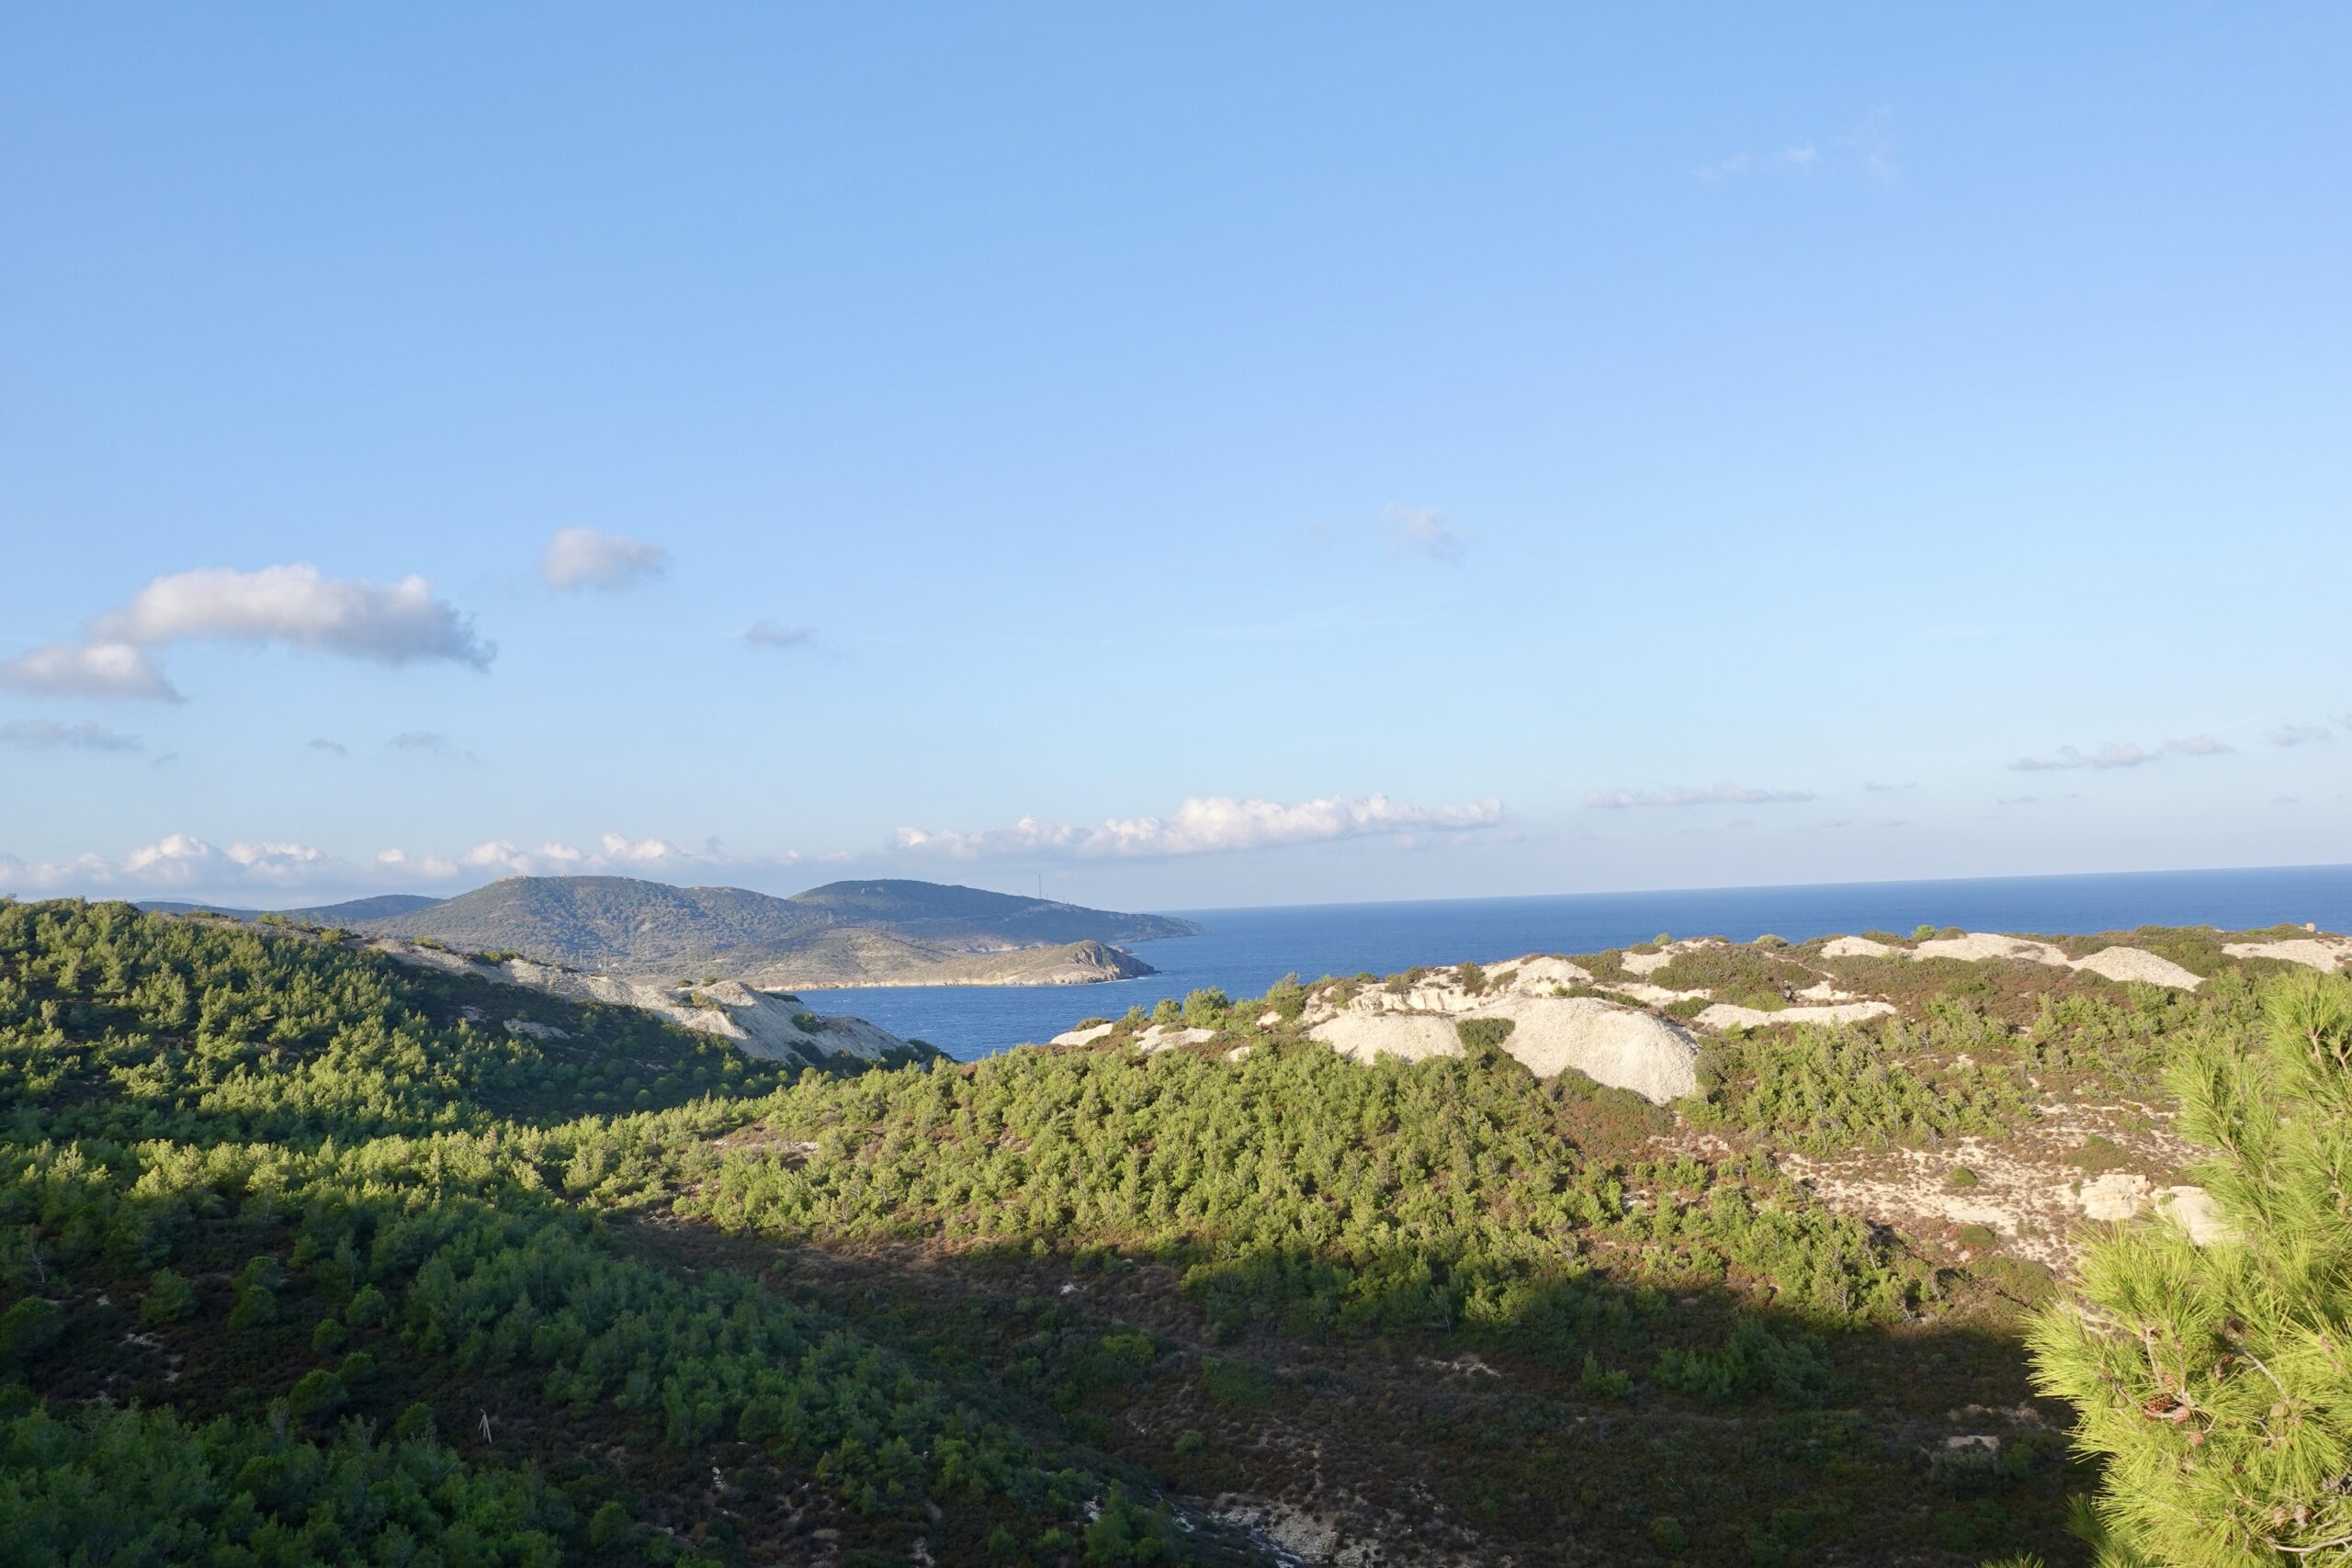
(2216, 1382)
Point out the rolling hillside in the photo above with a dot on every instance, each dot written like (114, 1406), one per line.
(888, 933)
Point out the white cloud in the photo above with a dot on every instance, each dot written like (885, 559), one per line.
(1719, 795)
(426, 868)
(1423, 531)
(1890, 788)
(2299, 735)
(40, 734)
(775, 633)
(1208, 825)
(384, 623)
(2121, 754)
(183, 865)
(587, 558)
(88, 670)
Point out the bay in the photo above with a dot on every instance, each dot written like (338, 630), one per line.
(1242, 952)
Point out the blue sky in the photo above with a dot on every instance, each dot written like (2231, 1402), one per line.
(1209, 455)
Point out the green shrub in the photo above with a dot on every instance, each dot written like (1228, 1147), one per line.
(1482, 1034)
(317, 1395)
(1604, 1382)
(170, 1298)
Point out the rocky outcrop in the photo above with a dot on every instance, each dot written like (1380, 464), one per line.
(762, 1023)
(1621, 1046)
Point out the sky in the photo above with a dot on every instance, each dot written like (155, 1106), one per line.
(1170, 456)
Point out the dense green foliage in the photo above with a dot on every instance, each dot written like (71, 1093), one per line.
(2214, 1382)
(306, 1255)
(335, 1192)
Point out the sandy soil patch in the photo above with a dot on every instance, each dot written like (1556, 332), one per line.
(1977, 946)
(2123, 964)
(2027, 1190)
(2328, 952)
(1725, 1015)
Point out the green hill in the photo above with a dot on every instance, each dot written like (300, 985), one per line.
(307, 1256)
(890, 932)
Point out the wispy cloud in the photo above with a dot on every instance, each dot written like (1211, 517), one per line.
(1890, 788)
(588, 558)
(775, 633)
(1868, 149)
(1209, 825)
(1717, 795)
(334, 747)
(1423, 531)
(1873, 146)
(42, 735)
(2115, 754)
(88, 670)
(2299, 735)
(431, 743)
(1796, 157)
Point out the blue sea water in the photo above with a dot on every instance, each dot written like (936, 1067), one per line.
(1242, 952)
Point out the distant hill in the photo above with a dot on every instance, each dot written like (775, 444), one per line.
(888, 932)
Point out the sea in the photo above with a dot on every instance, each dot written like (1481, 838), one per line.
(1243, 952)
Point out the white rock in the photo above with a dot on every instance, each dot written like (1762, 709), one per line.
(1857, 947)
(2117, 1195)
(1082, 1036)
(2134, 964)
(1537, 975)
(525, 1029)
(2328, 952)
(1366, 1036)
(1977, 945)
(1161, 1037)
(2193, 1209)
(1623, 1047)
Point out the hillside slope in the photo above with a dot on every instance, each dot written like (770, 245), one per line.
(845, 933)
(412, 1261)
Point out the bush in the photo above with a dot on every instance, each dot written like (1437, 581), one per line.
(30, 1327)
(1604, 1382)
(1482, 1034)
(1668, 1531)
(170, 1298)
(317, 1396)
(1753, 1361)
